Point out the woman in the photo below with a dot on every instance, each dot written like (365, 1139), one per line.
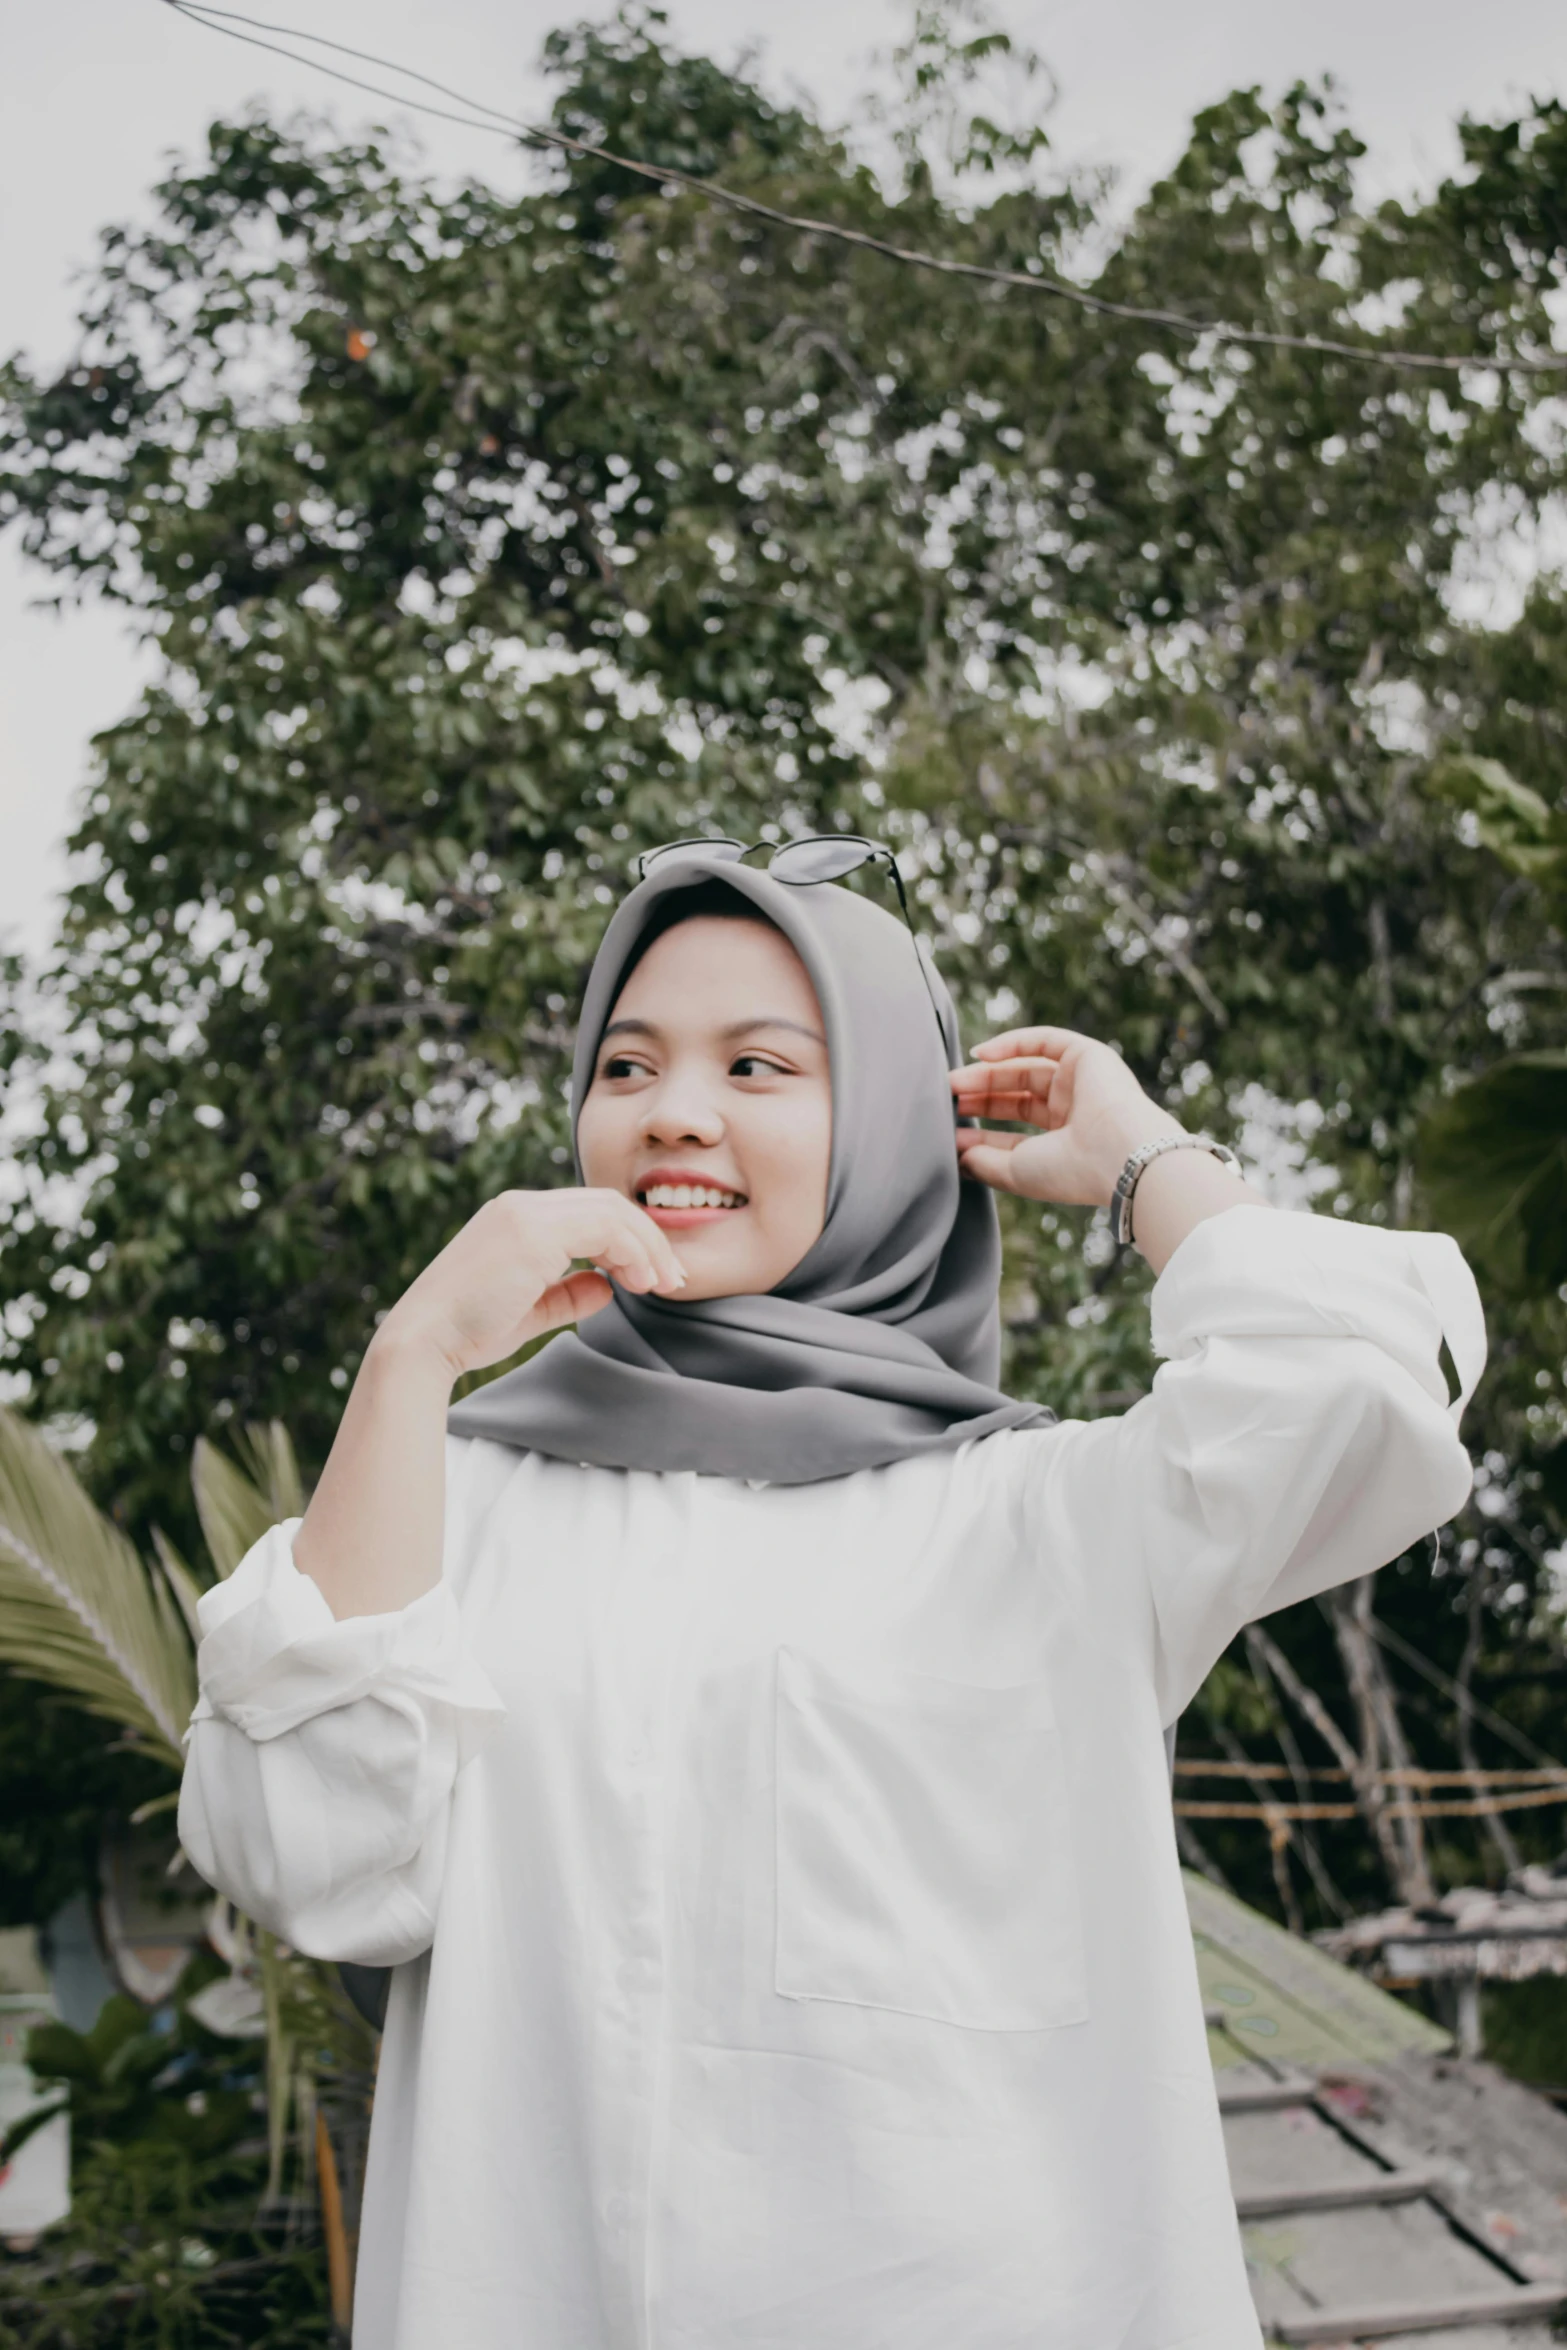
(743, 1731)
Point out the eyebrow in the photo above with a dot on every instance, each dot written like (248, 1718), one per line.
(734, 1029)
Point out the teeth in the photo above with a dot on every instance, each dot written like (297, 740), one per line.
(689, 1195)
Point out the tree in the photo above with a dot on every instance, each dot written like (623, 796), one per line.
(1495, 1152)
(488, 540)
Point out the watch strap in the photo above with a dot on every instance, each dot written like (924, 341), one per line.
(1131, 1175)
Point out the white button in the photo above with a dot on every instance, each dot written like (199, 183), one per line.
(636, 1755)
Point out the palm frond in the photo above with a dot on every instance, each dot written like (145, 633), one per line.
(266, 1453)
(236, 1505)
(180, 1580)
(77, 1606)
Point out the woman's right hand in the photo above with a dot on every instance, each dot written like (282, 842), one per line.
(506, 1277)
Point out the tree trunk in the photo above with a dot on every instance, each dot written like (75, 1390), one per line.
(1265, 1660)
(1495, 1826)
(1399, 1834)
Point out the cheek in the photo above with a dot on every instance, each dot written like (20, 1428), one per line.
(795, 1154)
(601, 1140)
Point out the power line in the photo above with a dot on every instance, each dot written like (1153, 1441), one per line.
(503, 125)
(479, 116)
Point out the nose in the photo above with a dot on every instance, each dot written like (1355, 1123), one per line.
(682, 1108)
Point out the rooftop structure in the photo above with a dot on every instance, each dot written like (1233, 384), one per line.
(1390, 2190)
(1465, 1938)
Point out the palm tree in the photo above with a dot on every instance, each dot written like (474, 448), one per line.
(82, 1610)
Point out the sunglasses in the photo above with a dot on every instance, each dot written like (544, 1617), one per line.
(817, 856)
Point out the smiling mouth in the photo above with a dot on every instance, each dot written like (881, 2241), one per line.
(683, 1197)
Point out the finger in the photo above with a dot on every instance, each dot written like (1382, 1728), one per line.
(620, 1253)
(665, 1255)
(1012, 1041)
(972, 1138)
(549, 1229)
(990, 1162)
(570, 1300)
(1019, 1070)
(1005, 1080)
(622, 1238)
(661, 1250)
(1024, 1109)
(1031, 1166)
(585, 1294)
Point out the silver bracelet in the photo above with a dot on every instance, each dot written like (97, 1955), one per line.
(1131, 1174)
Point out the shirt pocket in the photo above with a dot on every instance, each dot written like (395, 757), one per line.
(924, 1849)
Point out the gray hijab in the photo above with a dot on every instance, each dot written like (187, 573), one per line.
(885, 1340)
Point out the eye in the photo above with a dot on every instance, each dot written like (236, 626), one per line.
(756, 1065)
(621, 1065)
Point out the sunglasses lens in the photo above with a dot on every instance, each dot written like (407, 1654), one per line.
(679, 852)
(818, 860)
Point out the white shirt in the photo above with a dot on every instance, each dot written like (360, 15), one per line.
(781, 1881)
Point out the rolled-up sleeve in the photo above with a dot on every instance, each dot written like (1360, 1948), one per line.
(322, 1755)
(1300, 1431)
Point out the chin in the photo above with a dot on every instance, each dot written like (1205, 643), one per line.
(718, 1279)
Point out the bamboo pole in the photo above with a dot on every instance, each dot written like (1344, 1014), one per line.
(339, 2267)
(1531, 1801)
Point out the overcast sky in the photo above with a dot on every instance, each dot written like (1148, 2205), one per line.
(98, 93)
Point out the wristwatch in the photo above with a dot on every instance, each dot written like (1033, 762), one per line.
(1131, 1174)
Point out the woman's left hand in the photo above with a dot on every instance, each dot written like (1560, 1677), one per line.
(1088, 1108)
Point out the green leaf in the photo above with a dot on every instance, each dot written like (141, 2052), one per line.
(77, 1606)
(183, 1584)
(1494, 1164)
(237, 1508)
(15, 2138)
(1513, 821)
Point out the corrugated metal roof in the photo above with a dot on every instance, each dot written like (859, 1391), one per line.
(1388, 2190)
